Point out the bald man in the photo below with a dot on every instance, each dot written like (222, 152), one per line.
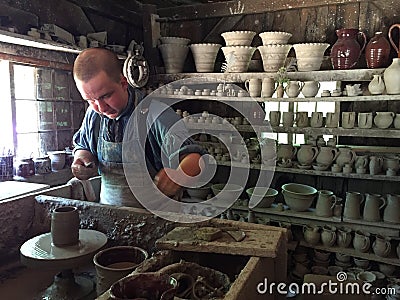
(98, 143)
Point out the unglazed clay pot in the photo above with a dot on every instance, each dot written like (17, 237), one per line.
(174, 56)
(204, 56)
(309, 55)
(237, 58)
(391, 77)
(238, 38)
(275, 37)
(274, 56)
(346, 51)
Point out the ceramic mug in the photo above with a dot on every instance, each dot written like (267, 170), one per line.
(365, 120)
(268, 87)
(316, 119)
(332, 120)
(302, 119)
(348, 119)
(275, 117)
(288, 118)
(253, 86)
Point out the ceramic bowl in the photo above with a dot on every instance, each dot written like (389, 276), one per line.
(263, 195)
(200, 192)
(226, 191)
(298, 197)
(361, 263)
(275, 37)
(238, 38)
(174, 40)
(274, 56)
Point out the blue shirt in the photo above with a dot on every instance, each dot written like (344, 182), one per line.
(160, 142)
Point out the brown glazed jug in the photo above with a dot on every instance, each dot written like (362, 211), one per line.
(377, 51)
(346, 51)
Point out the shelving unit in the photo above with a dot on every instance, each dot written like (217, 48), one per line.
(308, 217)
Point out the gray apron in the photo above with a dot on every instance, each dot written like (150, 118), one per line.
(114, 186)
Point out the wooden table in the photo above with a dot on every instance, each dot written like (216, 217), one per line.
(10, 189)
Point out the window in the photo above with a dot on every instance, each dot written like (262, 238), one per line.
(41, 109)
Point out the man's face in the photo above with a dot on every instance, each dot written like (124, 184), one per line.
(104, 95)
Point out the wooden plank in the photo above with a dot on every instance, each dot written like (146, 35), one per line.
(228, 8)
(22, 20)
(224, 24)
(11, 189)
(36, 62)
(258, 242)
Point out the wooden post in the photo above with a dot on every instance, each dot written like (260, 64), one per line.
(151, 34)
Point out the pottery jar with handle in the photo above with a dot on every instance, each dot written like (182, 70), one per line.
(345, 156)
(373, 204)
(327, 155)
(384, 119)
(346, 50)
(375, 165)
(328, 235)
(352, 205)
(376, 86)
(344, 237)
(391, 213)
(361, 241)
(326, 201)
(307, 154)
(377, 51)
(382, 246)
(312, 234)
(293, 88)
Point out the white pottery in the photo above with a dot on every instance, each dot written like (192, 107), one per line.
(373, 204)
(275, 37)
(310, 55)
(326, 155)
(352, 205)
(391, 213)
(365, 120)
(274, 56)
(293, 88)
(174, 56)
(57, 159)
(310, 88)
(307, 154)
(361, 241)
(238, 38)
(391, 77)
(384, 119)
(375, 165)
(382, 246)
(328, 235)
(376, 86)
(345, 156)
(391, 162)
(204, 56)
(237, 58)
(174, 40)
(396, 122)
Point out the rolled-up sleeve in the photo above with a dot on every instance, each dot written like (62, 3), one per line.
(86, 137)
(171, 133)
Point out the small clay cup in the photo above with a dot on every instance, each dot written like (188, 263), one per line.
(65, 226)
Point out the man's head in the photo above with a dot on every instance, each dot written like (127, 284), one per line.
(98, 77)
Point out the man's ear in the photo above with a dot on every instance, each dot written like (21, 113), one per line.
(124, 81)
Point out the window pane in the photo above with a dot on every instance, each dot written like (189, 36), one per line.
(24, 80)
(27, 116)
(28, 144)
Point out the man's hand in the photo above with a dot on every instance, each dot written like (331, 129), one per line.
(83, 166)
(167, 183)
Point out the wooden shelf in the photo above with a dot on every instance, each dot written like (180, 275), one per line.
(328, 75)
(298, 99)
(352, 252)
(371, 132)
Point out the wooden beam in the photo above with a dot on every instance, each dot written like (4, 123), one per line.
(241, 7)
(225, 24)
(108, 9)
(37, 62)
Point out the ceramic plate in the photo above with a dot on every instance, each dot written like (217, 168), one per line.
(320, 167)
(304, 167)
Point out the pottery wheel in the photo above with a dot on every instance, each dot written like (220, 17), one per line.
(40, 252)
